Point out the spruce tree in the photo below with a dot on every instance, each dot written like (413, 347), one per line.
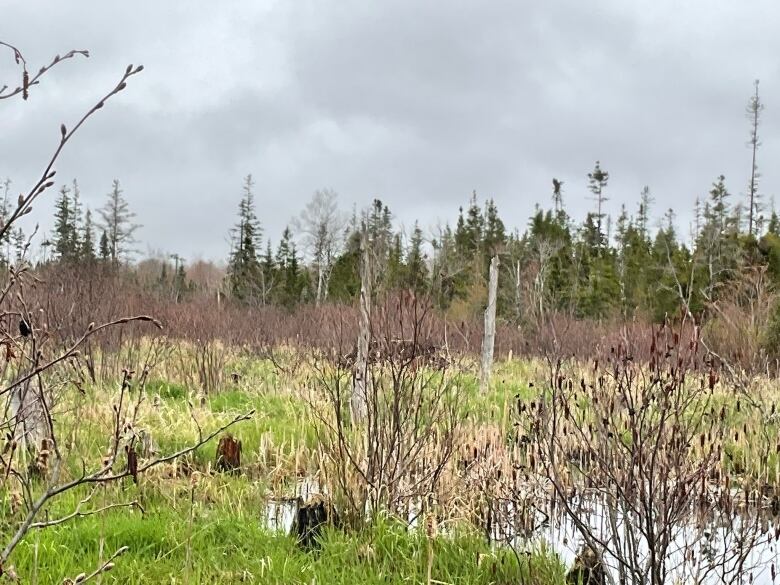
(105, 247)
(267, 274)
(597, 182)
(288, 265)
(118, 225)
(494, 236)
(643, 217)
(65, 236)
(243, 265)
(19, 243)
(87, 248)
(394, 273)
(416, 270)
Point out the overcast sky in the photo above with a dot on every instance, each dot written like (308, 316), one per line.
(417, 103)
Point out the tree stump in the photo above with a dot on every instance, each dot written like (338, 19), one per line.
(588, 569)
(228, 455)
(310, 519)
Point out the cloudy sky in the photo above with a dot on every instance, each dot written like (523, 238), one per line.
(415, 102)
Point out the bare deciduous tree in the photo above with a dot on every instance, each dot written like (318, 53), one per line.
(753, 112)
(320, 225)
(489, 339)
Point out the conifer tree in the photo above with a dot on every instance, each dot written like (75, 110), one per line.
(117, 223)
(597, 182)
(416, 270)
(288, 264)
(267, 274)
(243, 265)
(642, 220)
(19, 243)
(394, 272)
(494, 236)
(65, 237)
(87, 248)
(105, 248)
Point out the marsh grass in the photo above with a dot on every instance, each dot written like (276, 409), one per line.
(227, 539)
(229, 544)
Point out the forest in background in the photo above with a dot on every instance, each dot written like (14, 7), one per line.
(638, 267)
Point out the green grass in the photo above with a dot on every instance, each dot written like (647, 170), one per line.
(229, 544)
(222, 539)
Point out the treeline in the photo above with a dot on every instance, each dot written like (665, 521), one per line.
(634, 265)
(599, 268)
(76, 237)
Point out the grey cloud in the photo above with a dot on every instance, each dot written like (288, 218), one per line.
(417, 103)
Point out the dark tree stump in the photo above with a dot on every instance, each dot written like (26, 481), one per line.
(588, 569)
(228, 455)
(310, 519)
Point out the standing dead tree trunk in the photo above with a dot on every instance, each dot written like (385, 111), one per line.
(488, 341)
(359, 399)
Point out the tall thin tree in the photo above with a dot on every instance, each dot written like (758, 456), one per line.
(117, 222)
(753, 113)
(598, 180)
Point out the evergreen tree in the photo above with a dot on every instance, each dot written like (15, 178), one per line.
(642, 220)
(65, 237)
(117, 223)
(557, 196)
(450, 270)
(378, 222)
(180, 285)
(344, 283)
(494, 232)
(774, 224)
(597, 182)
(468, 234)
(717, 246)
(394, 273)
(87, 249)
(546, 249)
(243, 266)
(19, 243)
(287, 261)
(597, 284)
(634, 260)
(416, 270)
(105, 247)
(267, 274)
(668, 283)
